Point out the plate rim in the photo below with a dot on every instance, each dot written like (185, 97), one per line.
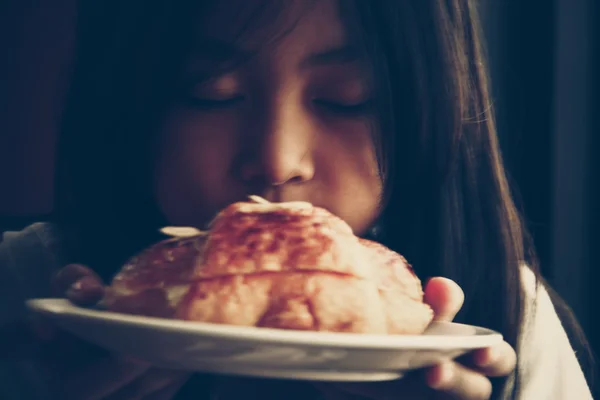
(59, 308)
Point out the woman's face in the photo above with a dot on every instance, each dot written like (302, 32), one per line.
(291, 122)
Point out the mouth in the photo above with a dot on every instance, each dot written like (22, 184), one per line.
(273, 195)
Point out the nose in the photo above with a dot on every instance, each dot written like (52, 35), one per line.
(283, 148)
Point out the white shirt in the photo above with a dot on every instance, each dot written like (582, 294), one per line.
(549, 369)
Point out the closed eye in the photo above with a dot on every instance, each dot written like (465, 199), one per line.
(208, 104)
(340, 108)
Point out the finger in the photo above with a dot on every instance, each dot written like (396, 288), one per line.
(99, 379)
(332, 392)
(151, 382)
(410, 386)
(87, 291)
(66, 347)
(168, 392)
(67, 276)
(445, 297)
(459, 382)
(22, 340)
(43, 328)
(27, 341)
(495, 361)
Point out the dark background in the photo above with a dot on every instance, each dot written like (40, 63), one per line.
(544, 63)
(544, 58)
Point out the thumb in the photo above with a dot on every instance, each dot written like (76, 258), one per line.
(79, 284)
(34, 337)
(445, 297)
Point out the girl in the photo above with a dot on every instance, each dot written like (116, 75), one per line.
(376, 110)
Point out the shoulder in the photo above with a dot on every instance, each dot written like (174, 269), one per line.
(548, 365)
(39, 231)
(28, 259)
(38, 242)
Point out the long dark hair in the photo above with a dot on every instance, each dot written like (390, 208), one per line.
(448, 207)
(450, 210)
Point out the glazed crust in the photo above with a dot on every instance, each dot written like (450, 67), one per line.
(154, 282)
(248, 238)
(277, 265)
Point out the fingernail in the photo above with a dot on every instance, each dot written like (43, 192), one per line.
(440, 376)
(86, 291)
(485, 357)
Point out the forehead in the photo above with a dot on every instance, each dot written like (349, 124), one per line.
(254, 24)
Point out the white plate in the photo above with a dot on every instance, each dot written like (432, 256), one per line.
(262, 352)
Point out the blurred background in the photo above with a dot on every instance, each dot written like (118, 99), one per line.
(543, 56)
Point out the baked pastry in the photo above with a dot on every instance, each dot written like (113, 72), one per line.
(277, 265)
(153, 282)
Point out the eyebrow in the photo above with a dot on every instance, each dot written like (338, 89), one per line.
(221, 51)
(335, 55)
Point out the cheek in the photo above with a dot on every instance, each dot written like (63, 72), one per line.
(194, 156)
(349, 171)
